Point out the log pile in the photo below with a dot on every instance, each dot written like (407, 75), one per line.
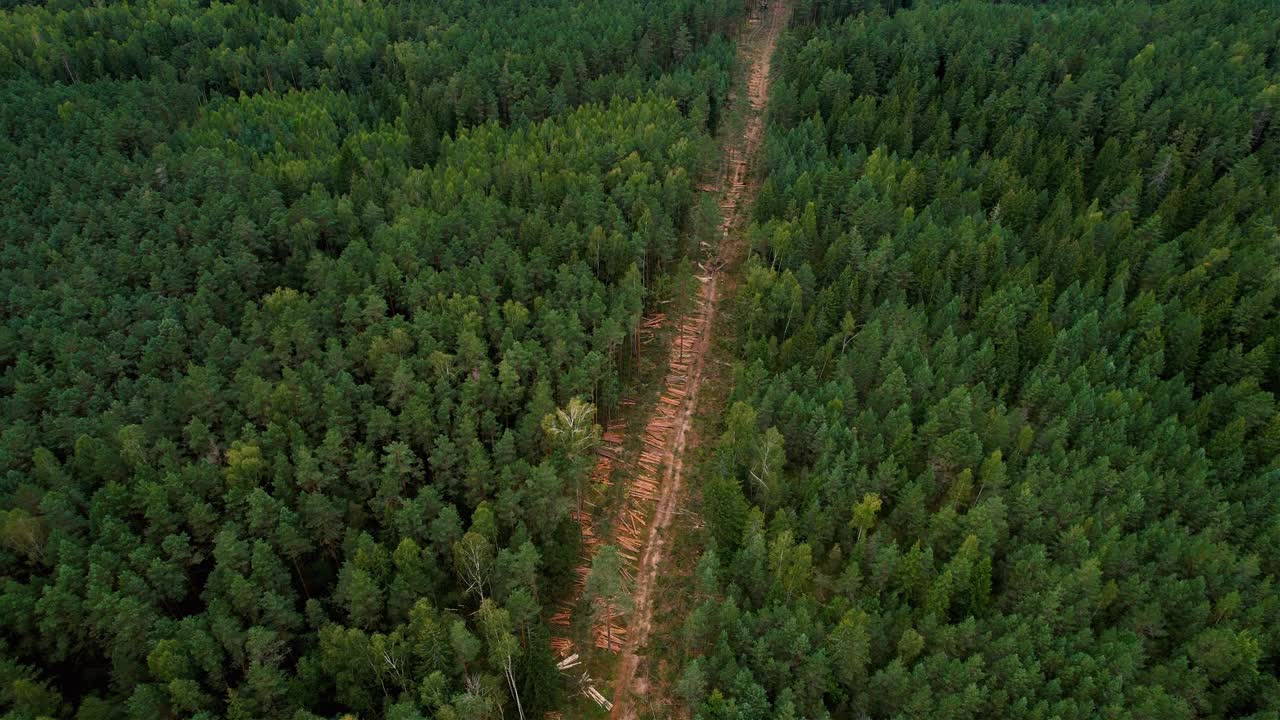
(610, 641)
(608, 457)
(601, 700)
(649, 326)
(630, 532)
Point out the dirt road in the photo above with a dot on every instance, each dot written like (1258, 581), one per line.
(668, 429)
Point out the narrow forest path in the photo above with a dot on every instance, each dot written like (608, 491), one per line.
(667, 431)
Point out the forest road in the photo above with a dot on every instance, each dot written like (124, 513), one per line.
(736, 188)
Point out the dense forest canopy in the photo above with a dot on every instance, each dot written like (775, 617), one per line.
(1005, 441)
(288, 291)
(309, 312)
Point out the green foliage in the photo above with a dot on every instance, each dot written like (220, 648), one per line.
(1012, 309)
(288, 290)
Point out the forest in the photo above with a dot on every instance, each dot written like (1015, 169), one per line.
(1003, 441)
(288, 291)
(313, 317)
